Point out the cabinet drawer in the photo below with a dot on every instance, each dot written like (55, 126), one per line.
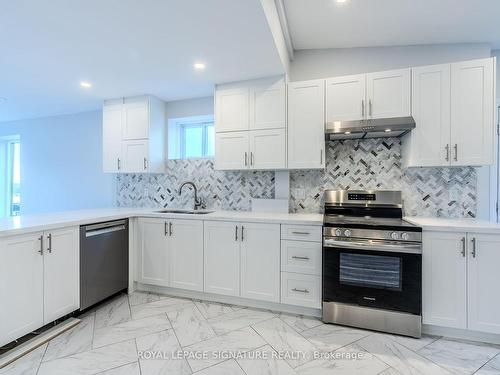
(301, 290)
(301, 257)
(301, 232)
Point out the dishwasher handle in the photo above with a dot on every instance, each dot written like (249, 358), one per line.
(103, 228)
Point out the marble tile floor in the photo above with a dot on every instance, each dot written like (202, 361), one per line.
(151, 334)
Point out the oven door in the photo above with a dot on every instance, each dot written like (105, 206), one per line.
(373, 273)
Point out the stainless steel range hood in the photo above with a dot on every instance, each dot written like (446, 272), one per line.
(376, 128)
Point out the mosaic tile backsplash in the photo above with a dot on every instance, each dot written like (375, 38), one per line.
(350, 164)
(376, 164)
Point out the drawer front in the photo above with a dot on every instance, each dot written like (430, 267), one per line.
(301, 233)
(301, 257)
(301, 290)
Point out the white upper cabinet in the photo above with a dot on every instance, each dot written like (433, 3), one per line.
(453, 106)
(250, 125)
(306, 124)
(484, 278)
(61, 270)
(134, 135)
(112, 142)
(231, 109)
(267, 149)
(268, 104)
(135, 118)
(346, 98)
(231, 151)
(388, 94)
(429, 143)
(472, 112)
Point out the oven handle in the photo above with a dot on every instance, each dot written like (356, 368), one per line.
(398, 247)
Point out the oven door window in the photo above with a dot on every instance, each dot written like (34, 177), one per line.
(372, 271)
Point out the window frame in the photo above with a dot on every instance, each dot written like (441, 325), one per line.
(204, 125)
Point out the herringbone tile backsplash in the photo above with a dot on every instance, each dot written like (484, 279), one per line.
(351, 164)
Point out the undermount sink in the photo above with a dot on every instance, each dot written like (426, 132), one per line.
(190, 212)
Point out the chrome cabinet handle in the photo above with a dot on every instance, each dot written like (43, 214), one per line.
(41, 245)
(165, 229)
(456, 152)
(303, 233)
(251, 158)
(321, 157)
(236, 233)
(447, 148)
(119, 164)
(301, 258)
(370, 107)
(242, 236)
(49, 240)
(363, 108)
(300, 290)
(145, 163)
(463, 247)
(473, 247)
(170, 229)
(246, 159)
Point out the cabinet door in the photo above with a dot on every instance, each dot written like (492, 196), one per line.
(472, 112)
(268, 105)
(135, 156)
(267, 149)
(21, 286)
(444, 279)
(483, 282)
(61, 273)
(112, 137)
(222, 258)
(260, 261)
(153, 254)
(186, 254)
(306, 124)
(231, 151)
(388, 94)
(231, 109)
(431, 93)
(135, 118)
(345, 98)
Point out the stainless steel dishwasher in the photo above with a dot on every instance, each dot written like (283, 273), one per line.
(103, 261)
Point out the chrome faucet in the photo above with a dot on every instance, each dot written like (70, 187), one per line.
(198, 202)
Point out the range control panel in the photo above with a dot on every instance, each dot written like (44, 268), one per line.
(361, 197)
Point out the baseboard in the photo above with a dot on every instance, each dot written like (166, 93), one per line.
(462, 334)
(279, 307)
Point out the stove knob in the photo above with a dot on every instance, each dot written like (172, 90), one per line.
(347, 233)
(338, 232)
(405, 236)
(394, 235)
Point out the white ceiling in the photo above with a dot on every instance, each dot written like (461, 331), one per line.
(372, 23)
(125, 47)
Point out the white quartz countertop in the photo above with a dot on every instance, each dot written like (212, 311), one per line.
(34, 223)
(455, 225)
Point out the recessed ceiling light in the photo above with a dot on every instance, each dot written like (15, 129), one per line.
(86, 84)
(341, 1)
(199, 66)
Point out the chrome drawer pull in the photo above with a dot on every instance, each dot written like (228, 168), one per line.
(301, 258)
(300, 290)
(304, 233)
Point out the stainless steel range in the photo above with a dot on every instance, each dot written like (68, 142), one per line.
(372, 263)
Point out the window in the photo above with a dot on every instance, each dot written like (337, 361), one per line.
(192, 137)
(10, 190)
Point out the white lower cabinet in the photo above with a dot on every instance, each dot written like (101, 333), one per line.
(61, 273)
(260, 261)
(222, 258)
(301, 290)
(460, 280)
(171, 253)
(186, 254)
(39, 280)
(301, 257)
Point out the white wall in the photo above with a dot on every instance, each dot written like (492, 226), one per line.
(190, 107)
(496, 53)
(312, 64)
(61, 163)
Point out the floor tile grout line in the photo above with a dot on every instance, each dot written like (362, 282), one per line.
(41, 359)
(178, 341)
(205, 319)
(114, 368)
(138, 362)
